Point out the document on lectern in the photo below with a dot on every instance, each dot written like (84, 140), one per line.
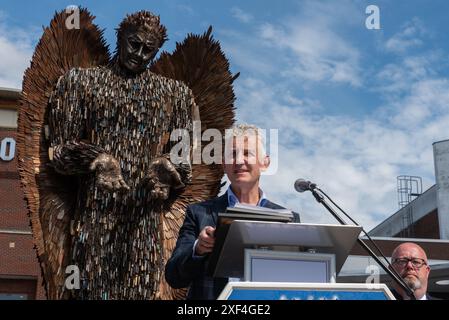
(246, 213)
(250, 212)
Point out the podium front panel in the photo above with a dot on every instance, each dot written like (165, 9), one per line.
(305, 291)
(299, 237)
(285, 266)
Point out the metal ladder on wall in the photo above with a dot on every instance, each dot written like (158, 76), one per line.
(409, 188)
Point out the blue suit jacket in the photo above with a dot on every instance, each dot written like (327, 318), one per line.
(182, 269)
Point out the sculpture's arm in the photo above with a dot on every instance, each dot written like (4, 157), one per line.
(171, 172)
(67, 122)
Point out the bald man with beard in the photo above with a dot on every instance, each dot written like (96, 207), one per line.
(410, 261)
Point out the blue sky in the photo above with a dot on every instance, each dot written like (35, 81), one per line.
(354, 107)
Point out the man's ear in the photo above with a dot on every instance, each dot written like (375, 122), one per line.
(265, 163)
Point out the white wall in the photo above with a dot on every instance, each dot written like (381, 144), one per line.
(441, 158)
(8, 118)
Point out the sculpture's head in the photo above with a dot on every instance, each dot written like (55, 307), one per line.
(139, 37)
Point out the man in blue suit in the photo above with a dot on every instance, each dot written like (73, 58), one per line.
(244, 162)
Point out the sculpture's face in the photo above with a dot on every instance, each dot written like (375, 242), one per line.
(137, 49)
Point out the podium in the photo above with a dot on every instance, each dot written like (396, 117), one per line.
(276, 255)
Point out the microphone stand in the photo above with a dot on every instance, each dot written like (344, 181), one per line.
(392, 274)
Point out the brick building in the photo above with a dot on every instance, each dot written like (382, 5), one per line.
(20, 275)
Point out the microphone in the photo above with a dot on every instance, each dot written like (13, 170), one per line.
(302, 185)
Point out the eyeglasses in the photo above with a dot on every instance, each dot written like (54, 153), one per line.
(416, 262)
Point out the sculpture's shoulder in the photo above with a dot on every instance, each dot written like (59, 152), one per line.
(82, 75)
(168, 85)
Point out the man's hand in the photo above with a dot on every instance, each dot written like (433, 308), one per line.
(161, 177)
(206, 241)
(109, 176)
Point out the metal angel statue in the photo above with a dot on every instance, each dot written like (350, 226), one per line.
(94, 143)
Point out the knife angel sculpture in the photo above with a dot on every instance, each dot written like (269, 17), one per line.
(105, 199)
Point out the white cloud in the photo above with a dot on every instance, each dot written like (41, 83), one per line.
(407, 38)
(416, 93)
(355, 161)
(397, 78)
(428, 99)
(312, 44)
(16, 49)
(240, 15)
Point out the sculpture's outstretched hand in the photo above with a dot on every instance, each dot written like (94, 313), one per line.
(162, 177)
(108, 173)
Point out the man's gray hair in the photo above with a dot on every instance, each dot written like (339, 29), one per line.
(247, 130)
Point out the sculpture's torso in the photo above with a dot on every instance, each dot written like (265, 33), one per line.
(117, 238)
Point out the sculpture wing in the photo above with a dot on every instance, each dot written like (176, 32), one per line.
(201, 64)
(49, 196)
